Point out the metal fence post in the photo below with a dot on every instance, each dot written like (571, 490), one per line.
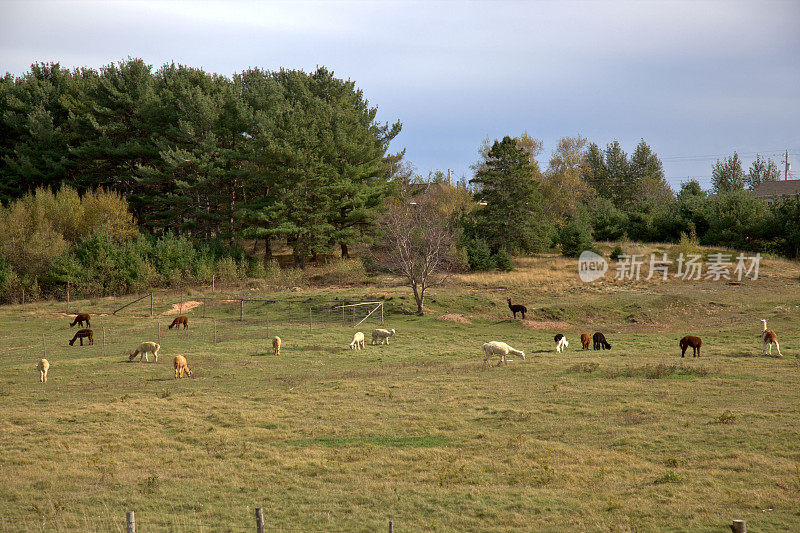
(259, 520)
(130, 522)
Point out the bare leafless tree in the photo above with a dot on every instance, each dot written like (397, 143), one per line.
(417, 244)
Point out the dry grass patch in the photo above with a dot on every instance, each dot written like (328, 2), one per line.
(458, 318)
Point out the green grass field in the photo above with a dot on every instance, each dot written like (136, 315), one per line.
(328, 439)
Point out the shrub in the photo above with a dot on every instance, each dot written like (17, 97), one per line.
(503, 261)
(479, 257)
(340, 272)
(575, 237)
(616, 253)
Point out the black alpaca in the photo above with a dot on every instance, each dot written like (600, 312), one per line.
(599, 341)
(516, 308)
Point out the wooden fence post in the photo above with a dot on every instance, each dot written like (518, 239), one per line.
(215, 331)
(309, 318)
(151, 304)
(241, 310)
(213, 279)
(67, 296)
(159, 331)
(259, 520)
(268, 324)
(381, 313)
(104, 340)
(739, 526)
(44, 346)
(130, 522)
(391, 528)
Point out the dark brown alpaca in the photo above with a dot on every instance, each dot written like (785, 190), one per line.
(585, 340)
(516, 308)
(82, 334)
(178, 321)
(694, 342)
(80, 319)
(599, 341)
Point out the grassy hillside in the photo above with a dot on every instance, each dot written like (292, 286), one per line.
(328, 439)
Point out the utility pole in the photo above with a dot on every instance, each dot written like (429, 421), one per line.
(786, 166)
(449, 177)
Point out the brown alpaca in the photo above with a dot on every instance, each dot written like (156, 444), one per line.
(585, 340)
(80, 319)
(180, 320)
(83, 334)
(43, 367)
(181, 367)
(769, 339)
(694, 342)
(276, 346)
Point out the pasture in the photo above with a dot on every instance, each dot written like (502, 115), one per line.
(329, 439)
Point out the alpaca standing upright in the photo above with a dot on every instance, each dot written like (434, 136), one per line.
(769, 338)
(276, 345)
(517, 308)
(43, 367)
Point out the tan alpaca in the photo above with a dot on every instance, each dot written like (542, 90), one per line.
(276, 345)
(181, 367)
(769, 338)
(358, 341)
(43, 367)
(382, 335)
(499, 348)
(144, 349)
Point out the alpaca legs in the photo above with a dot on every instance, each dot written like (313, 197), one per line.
(778, 347)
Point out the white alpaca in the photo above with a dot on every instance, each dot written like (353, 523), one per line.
(358, 341)
(499, 348)
(144, 349)
(561, 342)
(43, 367)
(769, 338)
(381, 335)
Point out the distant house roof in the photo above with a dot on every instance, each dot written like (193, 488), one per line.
(769, 189)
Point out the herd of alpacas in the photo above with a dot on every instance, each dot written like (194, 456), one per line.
(381, 336)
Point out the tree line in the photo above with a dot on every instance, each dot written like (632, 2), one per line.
(260, 155)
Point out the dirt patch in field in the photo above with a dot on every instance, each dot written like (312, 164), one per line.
(546, 324)
(458, 318)
(184, 308)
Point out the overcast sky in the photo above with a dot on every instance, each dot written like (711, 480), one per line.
(696, 80)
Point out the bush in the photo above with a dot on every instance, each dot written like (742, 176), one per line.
(340, 272)
(575, 237)
(616, 252)
(479, 257)
(503, 261)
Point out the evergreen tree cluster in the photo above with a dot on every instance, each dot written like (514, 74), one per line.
(259, 155)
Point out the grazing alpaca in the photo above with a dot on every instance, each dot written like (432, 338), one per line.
(770, 338)
(599, 341)
(561, 342)
(276, 346)
(83, 334)
(43, 367)
(499, 348)
(358, 341)
(145, 348)
(694, 342)
(381, 335)
(516, 308)
(585, 340)
(180, 320)
(180, 367)
(80, 319)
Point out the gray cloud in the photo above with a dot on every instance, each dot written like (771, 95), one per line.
(692, 78)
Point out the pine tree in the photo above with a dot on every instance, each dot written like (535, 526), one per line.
(646, 179)
(512, 217)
